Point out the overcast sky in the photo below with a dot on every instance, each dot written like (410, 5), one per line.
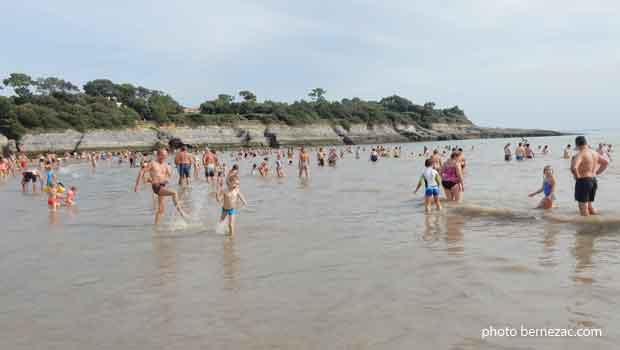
(519, 63)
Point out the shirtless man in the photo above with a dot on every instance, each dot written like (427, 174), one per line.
(184, 162)
(160, 173)
(304, 162)
(210, 161)
(585, 165)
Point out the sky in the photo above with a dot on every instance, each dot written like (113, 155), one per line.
(507, 63)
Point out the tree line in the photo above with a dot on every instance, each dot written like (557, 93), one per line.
(51, 103)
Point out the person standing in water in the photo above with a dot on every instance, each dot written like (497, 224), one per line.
(304, 162)
(548, 188)
(585, 166)
(229, 201)
(431, 180)
(567, 152)
(507, 153)
(184, 161)
(160, 173)
(452, 178)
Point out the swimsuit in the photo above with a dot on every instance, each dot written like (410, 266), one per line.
(157, 187)
(51, 200)
(29, 176)
(231, 211)
(449, 177)
(210, 171)
(184, 170)
(585, 189)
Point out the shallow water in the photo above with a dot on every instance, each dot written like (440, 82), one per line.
(346, 260)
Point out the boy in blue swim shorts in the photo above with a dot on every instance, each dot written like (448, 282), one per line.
(229, 201)
(431, 180)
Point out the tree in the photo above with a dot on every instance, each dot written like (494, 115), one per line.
(20, 83)
(50, 85)
(101, 87)
(225, 99)
(162, 106)
(248, 96)
(396, 103)
(317, 94)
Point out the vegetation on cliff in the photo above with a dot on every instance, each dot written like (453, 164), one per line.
(52, 103)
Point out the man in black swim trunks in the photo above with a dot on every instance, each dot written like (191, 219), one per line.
(585, 166)
(160, 174)
(31, 176)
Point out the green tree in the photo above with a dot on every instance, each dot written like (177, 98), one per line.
(20, 83)
(162, 107)
(101, 87)
(50, 85)
(247, 96)
(317, 94)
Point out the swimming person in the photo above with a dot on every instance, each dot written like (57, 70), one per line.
(431, 180)
(229, 201)
(160, 173)
(548, 188)
(585, 166)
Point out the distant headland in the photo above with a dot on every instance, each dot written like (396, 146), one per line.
(52, 114)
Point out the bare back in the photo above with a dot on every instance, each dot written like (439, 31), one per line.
(585, 163)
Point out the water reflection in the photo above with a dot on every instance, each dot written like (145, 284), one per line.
(230, 264)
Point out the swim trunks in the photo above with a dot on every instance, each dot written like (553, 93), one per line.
(585, 189)
(184, 170)
(29, 176)
(507, 157)
(231, 211)
(210, 170)
(432, 191)
(374, 158)
(157, 187)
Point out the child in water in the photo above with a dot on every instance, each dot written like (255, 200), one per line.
(52, 198)
(431, 180)
(229, 201)
(548, 188)
(70, 197)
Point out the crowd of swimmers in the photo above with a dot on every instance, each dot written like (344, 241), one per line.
(444, 171)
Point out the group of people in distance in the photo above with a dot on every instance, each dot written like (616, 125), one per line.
(41, 177)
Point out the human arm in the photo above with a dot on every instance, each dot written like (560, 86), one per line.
(419, 184)
(603, 163)
(574, 166)
(140, 175)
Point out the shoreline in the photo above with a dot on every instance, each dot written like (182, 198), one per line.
(256, 134)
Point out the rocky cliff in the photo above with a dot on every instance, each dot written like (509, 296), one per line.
(257, 133)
